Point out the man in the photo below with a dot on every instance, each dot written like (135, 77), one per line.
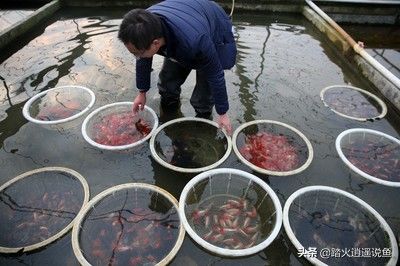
(190, 34)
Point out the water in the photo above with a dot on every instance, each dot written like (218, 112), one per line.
(38, 207)
(326, 220)
(275, 147)
(119, 129)
(60, 104)
(352, 103)
(373, 154)
(283, 63)
(129, 227)
(228, 222)
(380, 41)
(191, 144)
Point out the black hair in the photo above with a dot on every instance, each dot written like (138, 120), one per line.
(140, 27)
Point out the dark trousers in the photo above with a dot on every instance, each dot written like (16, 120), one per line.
(172, 76)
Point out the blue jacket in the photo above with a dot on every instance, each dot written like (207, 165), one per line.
(198, 35)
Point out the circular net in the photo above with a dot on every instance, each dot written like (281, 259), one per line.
(190, 145)
(230, 214)
(115, 127)
(375, 155)
(272, 148)
(353, 102)
(36, 208)
(327, 220)
(130, 226)
(59, 104)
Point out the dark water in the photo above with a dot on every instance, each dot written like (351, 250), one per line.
(352, 103)
(373, 154)
(326, 220)
(129, 227)
(37, 207)
(283, 63)
(191, 144)
(382, 42)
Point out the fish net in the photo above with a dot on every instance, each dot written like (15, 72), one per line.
(58, 106)
(337, 223)
(354, 103)
(115, 127)
(38, 207)
(129, 224)
(372, 154)
(190, 145)
(230, 212)
(272, 148)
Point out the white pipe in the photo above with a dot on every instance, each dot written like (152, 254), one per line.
(356, 47)
(232, 8)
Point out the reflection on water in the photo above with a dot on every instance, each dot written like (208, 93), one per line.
(282, 65)
(373, 154)
(37, 207)
(352, 102)
(129, 227)
(178, 144)
(59, 104)
(327, 220)
(382, 42)
(389, 58)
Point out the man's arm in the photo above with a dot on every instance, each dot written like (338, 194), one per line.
(211, 66)
(143, 71)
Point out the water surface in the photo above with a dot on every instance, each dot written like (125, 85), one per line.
(282, 65)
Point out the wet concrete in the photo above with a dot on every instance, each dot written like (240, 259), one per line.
(283, 63)
(22, 25)
(8, 18)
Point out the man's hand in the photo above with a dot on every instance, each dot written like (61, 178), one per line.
(139, 102)
(224, 122)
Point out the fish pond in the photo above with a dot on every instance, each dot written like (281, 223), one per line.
(283, 63)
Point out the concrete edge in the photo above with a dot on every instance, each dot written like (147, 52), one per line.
(17, 30)
(387, 88)
(326, 29)
(384, 85)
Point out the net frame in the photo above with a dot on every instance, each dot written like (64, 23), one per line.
(82, 215)
(118, 147)
(290, 233)
(155, 155)
(62, 232)
(373, 96)
(266, 171)
(346, 133)
(224, 251)
(26, 114)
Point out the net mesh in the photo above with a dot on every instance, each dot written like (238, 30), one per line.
(373, 154)
(230, 211)
(37, 207)
(328, 220)
(351, 102)
(60, 104)
(129, 227)
(272, 147)
(117, 126)
(180, 145)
